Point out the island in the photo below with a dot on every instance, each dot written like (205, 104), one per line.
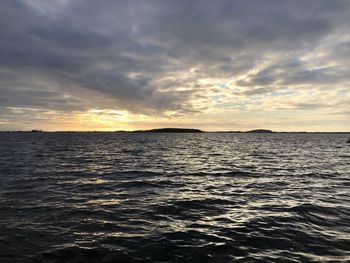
(172, 130)
(260, 131)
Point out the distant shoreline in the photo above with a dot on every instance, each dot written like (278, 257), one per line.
(176, 130)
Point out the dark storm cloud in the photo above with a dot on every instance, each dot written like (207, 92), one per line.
(121, 49)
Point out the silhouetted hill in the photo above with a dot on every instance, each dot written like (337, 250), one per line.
(259, 131)
(173, 130)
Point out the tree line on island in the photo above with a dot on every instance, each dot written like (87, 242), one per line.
(188, 130)
(162, 130)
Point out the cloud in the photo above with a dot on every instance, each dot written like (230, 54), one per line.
(168, 58)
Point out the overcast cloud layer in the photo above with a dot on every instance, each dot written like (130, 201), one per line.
(229, 65)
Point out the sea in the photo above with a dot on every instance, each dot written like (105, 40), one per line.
(174, 197)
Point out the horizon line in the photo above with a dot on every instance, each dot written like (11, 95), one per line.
(147, 130)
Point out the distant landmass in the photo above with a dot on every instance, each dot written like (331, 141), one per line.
(260, 131)
(187, 130)
(251, 131)
(174, 130)
(177, 130)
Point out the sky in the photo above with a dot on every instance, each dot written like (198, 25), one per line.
(214, 65)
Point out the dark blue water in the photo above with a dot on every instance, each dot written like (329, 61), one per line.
(106, 197)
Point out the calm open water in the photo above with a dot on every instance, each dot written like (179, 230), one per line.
(108, 197)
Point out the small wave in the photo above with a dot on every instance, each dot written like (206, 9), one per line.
(139, 184)
(225, 174)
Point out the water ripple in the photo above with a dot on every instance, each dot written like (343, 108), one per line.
(105, 197)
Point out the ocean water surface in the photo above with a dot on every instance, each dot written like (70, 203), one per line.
(139, 197)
